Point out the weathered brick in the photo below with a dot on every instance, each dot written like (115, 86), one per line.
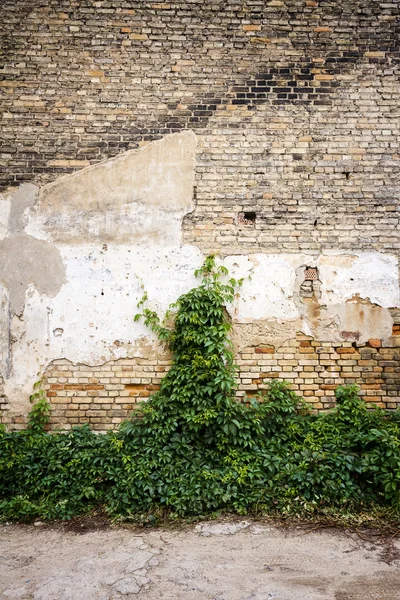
(327, 182)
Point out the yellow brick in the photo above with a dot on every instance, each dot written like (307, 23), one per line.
(260, 40)
(356, 150)
(95, 73)
(68, 163)
(322, 29)
(251, 27)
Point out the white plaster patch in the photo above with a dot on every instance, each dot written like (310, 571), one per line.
(268, 286)
(138, 197)
(96, 306)
(4, 330)
(117, 227)
(109, 285)
(269, 281)
(91, 320)
(371, 275)
(5, 206)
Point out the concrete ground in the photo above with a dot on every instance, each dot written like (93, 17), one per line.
(227, 560)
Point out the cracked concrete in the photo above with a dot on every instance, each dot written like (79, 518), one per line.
(229, 560)
(96, 566)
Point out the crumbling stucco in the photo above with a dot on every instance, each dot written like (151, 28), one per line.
(112, 201)
(270, 294)
(21, 200)
(371, 275)
(5, 207)
(5, 331)
(264, 332)
(78, 254)
(25, 261)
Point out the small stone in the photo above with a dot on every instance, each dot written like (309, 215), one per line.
(207, 529)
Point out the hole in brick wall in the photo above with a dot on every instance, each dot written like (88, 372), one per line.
(346, 174)
(310, 274)
(247, 218)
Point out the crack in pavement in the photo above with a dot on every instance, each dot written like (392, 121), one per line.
(219, 560)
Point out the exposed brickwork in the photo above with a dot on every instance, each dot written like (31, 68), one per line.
(295, 104)
(106, 395)
(103, 395)
(315, 369)
(4, 405)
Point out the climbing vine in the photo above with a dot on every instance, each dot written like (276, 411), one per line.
(39, 416)
(197, 394)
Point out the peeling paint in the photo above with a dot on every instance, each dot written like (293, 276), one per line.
(102, 235)
(370, 274)
(272, 284)
(5, 209)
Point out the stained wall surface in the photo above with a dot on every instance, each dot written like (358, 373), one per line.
(136, 138)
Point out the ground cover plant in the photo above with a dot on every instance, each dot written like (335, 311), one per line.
(192, 449)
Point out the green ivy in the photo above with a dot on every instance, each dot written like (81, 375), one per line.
(193, 449)
(39, 416)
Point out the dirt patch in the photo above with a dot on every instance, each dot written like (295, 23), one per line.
(380, 586)
(85, 524)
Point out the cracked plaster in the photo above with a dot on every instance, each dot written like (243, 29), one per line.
(76, 255)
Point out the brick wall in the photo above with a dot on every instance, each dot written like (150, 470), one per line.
(315, 369)
(295, 105)
(107, 394)
(104, 395)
